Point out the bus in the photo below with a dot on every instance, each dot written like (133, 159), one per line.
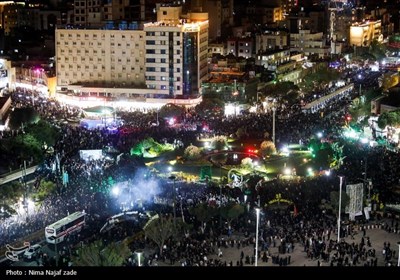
(56, 232)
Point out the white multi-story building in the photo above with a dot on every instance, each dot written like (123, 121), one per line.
(176, 52)
(361, 35)
(271, 40)
(309, 43)
(93, 57)
(166, 59)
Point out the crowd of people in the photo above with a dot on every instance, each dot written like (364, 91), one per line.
(88, 191)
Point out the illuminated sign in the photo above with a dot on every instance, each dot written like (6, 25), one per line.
(278, 199)
(191, 28)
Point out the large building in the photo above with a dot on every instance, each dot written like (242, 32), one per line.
(86, 56)
(162, 60)
(14, 15)
(362, 34)
(220, 14)
(240, 47)
(96, 12)
(176, 52)
(270, 40)
(309, 43)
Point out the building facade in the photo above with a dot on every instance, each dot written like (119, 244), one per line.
(240, 47)
(362, 34)
(271, 40)
(97, 56)
(309, 43)
(220, 14)
(166, 59)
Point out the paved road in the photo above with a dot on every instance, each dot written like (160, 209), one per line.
(298, 256)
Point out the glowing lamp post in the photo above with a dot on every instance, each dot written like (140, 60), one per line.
(173, 178)
(273, 121)
(398, 253)
(139, 254)
(257, 221)
(340, 206)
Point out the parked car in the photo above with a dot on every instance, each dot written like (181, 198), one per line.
(32, 252)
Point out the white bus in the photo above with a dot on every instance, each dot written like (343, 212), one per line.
(56, 232)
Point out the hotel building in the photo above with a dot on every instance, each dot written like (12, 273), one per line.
(159, 62)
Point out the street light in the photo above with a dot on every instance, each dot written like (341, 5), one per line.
(139, 253)
(258, 218)
(32, 83)
(235, 91)
(273, 122)
(398, 253)
(340, 207)
(173, 177)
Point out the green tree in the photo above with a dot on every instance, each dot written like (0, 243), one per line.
(11, 193)
(44, 132)
(383, 120)
(231, 211)
(45, 189)
(247, 163)
(22, 116)
(314, 145)
(267, 148)
(338, 155)
(203, 213)
(391, 118)
(280, 89)
(171, 111)
(219, 142)
(99, 254)
(361, 107)
(377, 50)
(150, 148)
(210, 106)
(320, 76)
(192, 153)
(159, 229)
(241, 132)
(26, 146)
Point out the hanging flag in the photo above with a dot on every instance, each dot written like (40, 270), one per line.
(294, 210)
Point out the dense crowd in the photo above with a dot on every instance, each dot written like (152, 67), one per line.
(87, 190)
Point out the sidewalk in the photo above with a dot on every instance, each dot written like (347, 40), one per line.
(299, 258)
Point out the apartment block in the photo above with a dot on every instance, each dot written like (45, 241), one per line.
(271, 40)
(240, 47)
(362, 34)
(309, 43)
